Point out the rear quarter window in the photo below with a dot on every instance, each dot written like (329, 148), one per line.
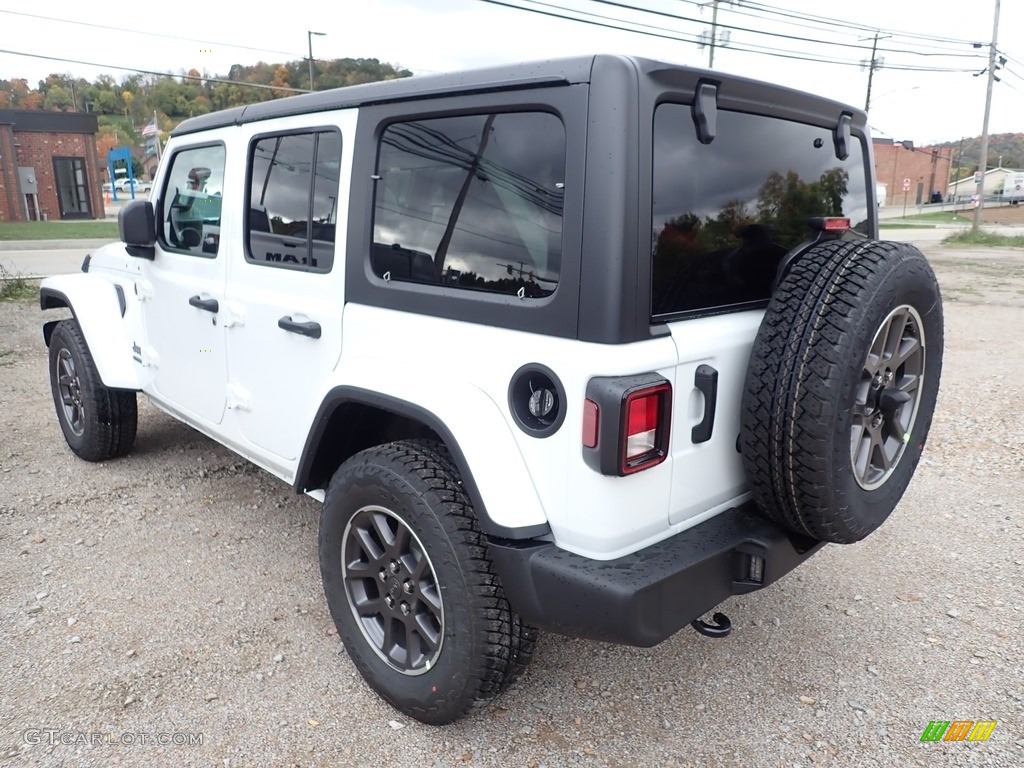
(725, 213)
(472, 202)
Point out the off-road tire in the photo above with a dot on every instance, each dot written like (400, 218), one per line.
(819, 422)
(98, 423)
(483, 645)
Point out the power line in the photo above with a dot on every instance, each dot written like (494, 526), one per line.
(853, 25)
(831, 24)
(587, 21)
(780, 35)
(146, 32)
(747, 48)
(200, 78)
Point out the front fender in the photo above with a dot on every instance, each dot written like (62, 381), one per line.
(98, 306)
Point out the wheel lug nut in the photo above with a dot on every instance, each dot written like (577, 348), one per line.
(395, 567)
(407, 587)
(383, 574)
(405, 609)
(389, 601)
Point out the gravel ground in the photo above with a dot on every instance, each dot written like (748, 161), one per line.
(177, 592)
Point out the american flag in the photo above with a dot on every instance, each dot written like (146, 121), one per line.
(151, 128)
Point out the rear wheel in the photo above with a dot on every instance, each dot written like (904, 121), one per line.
(841, 387)
(98, 423)
(410, 585)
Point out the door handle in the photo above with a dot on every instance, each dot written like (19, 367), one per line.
(310, 329)
(207, 305)
(706, 380)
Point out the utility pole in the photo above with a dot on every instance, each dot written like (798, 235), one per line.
(714, 33)
(309, 36)
(874, 64)
(712, 40)
(983, 165)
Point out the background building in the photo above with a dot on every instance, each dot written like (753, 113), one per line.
(924, 170)
(48, 166)
(996, 180)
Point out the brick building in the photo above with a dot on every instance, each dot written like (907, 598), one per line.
(48, 166)
(928, 170)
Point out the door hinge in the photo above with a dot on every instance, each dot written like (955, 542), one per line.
(143, 289)
(144, 356)
(231, 314)
(238, 398)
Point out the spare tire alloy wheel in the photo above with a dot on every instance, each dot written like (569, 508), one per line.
(841, 387)
(888, 397)
(410, 585)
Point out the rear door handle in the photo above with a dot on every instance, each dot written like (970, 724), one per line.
(706, 380)
(310, 329)
(207, 305)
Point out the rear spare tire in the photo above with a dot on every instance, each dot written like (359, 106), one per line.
(841, 387)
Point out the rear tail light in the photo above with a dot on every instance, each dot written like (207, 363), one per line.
(626, 423)
(647, 423)
(591, 419)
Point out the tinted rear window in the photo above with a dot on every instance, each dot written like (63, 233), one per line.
(725, 213)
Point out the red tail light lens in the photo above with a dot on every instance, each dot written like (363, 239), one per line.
(591, 421)
(645, 441)
(836, 224)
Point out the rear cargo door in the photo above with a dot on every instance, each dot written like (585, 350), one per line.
(726, 207)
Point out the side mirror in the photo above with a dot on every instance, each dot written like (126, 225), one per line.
(136, 224)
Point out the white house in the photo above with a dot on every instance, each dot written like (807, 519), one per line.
(994, 180)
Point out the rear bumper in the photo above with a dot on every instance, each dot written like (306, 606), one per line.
(646, 597)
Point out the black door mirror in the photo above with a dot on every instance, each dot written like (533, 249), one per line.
(136, 224)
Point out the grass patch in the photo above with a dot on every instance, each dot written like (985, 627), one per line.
(888, 224)
(938, 217)
(984, 238)
(15, 287)
(58, 230)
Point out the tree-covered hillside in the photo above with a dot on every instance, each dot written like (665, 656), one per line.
(125, 106)
(1004, 148)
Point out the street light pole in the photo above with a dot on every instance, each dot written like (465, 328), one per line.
(983, 165)
(309, 36)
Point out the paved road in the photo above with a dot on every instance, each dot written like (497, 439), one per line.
(46, 257)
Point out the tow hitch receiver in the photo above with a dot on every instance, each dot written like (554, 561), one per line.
(721, 627)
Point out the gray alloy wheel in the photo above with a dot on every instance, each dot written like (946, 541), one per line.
(888, 397)
(70, 388)
(393, 590)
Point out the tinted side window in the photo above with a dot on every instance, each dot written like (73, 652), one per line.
(725, 213)
(293, 192)
(192, 201)
(473, 202)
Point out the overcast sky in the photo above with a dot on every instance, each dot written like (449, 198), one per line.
(441, 35)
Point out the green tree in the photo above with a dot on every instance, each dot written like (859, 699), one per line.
(57, 98)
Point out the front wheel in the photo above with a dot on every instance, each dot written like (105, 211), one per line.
(98, 423)
(410, 585)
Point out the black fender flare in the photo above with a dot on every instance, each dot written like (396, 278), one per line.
(343, 395)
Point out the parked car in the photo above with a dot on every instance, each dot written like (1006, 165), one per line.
(124, 185)
(578, 346)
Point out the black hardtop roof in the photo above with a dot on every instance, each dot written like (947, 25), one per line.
(537, 74)
(565, 71)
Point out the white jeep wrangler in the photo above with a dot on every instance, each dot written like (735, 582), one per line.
(585, 346)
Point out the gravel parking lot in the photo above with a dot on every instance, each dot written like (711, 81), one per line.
(165, 609)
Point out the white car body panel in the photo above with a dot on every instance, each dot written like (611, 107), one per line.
(94, 303)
